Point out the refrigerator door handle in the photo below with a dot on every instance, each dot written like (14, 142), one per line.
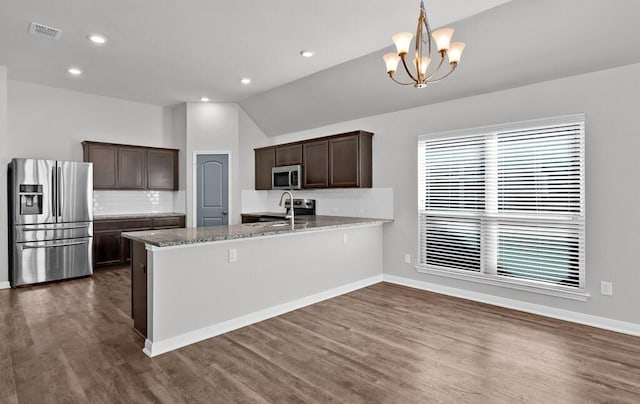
(54, 196)
(26, 247)
(58, 186)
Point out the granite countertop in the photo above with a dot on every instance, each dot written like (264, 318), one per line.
(195, 235)
(135, 215)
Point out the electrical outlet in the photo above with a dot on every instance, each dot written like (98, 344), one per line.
(233, 255)
(606, 288)
(345, 238)
(407, 258)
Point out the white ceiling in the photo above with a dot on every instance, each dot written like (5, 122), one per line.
(518, 43)
(166, 51)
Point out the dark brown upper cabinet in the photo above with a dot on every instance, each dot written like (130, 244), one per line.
(315, 173)
(350, 161)
(337, 161)
(105, 165)
(162, 172)
(132, 170)
(289, 155)
(117, 166)
(265, 160)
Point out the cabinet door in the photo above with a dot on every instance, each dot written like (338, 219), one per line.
(344, 162)
(105, 165)
(132, 168)
(316, 164)
(289, 155)
(170, 222)
(265, 160)
(139, 287)
(126, 250)
(107, 248)
(162, 169)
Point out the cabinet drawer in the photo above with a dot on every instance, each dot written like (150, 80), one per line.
(122, 224)
(168, 222)
(250, 218)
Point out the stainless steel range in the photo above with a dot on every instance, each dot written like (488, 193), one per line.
(50, 220)
(301, 207)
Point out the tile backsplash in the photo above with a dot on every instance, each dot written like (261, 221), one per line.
(126, 202)
(364, 202)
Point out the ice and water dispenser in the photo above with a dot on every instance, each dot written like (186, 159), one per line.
(30, 199)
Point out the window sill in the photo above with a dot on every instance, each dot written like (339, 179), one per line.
(501, 281)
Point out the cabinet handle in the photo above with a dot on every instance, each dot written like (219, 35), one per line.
(144, 268)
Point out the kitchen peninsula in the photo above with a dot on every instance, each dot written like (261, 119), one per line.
(195, 283)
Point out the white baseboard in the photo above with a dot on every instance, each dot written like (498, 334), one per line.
(152, 349)
(566, 315)
(5, 285)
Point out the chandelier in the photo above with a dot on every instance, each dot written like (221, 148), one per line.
(421, 76)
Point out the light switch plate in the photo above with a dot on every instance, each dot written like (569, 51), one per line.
(407, 258)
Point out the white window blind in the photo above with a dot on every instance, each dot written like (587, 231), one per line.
(505, 202)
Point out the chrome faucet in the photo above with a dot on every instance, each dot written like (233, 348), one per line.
(290, 214)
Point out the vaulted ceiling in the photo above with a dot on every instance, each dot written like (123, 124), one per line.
(166, 52)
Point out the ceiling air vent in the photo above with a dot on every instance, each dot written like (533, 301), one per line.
(44, 30)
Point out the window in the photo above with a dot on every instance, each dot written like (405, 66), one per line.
(505, 205)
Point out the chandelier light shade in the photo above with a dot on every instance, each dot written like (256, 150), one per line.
(418, 68)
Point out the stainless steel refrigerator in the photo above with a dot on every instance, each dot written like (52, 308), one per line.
(50, 220)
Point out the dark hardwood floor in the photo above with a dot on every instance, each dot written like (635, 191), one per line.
(72, 342)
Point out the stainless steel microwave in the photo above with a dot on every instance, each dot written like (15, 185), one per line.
(286, 177)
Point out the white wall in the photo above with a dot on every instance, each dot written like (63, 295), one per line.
(250, 137)
(210, 295)
(609, 99)
(4, 160)
(50, 123)
(179, 136)
(213, 127)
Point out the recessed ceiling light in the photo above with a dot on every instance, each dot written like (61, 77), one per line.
(306, 53)
(246, 80)
(204, 99)
(74, 71)
(98, 39)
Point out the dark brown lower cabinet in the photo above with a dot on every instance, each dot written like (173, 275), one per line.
(107, 248)
(126, 250)
(139, 287)
(110, 248)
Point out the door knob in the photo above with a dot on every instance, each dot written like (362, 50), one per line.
(224, 212)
